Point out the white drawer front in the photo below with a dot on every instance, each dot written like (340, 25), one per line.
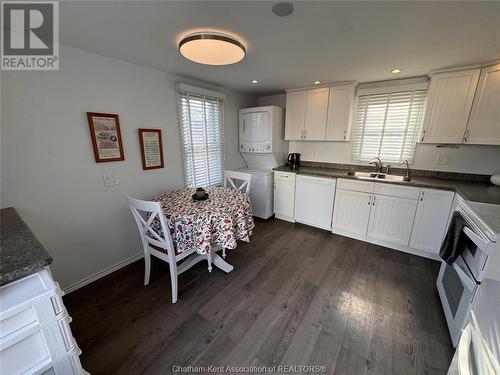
(399, 191)
(284, 176)
(26, 354)
(17, 322)
(355, 185)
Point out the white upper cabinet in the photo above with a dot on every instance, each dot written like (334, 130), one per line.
(295, 115)
(449, 104)
(316, 112)
(484, 123)
(340, 110)
(432, 215)
(319, 114)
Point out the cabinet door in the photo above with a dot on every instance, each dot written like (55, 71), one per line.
(433, 210)
(391, 219)
(284, 199)
(448, 106)
(340, 107)
(316, 112)
(484, 124)
(314, 201)
(295, 115)
(351, 211)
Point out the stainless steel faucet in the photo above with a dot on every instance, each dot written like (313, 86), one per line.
(378, 163)
(407, 175)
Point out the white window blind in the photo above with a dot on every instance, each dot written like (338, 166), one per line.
(202, 138)
(387, 125)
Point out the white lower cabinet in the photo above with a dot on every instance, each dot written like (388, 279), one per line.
(284, 195)
(351, 211)
(432, 216)
(35, 336)
(314, 201)
(402, 217)
(391, 219)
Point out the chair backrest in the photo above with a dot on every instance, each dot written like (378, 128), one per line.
(231, 179)
(151, 223)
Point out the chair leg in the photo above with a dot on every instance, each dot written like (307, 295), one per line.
(173, 280)
(223, 252)
(147, 267)
(209, 259)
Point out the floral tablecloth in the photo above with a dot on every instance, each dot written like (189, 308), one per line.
(221, 220)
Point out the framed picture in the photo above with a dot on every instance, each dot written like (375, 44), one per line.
(151, 148)
(106, 137)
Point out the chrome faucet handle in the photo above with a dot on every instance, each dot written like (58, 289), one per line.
(407, 175)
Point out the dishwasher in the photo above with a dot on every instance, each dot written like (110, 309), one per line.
(314, 201)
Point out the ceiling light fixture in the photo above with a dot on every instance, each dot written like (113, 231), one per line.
(212, 49)
(254, 81)
(396, 71)
(316, 82)
(282, 9)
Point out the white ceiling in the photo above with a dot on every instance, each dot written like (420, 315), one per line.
(327, 41)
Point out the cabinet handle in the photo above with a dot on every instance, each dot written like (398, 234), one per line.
(345, 131)
(244, 127)
(422, 196)
(423, 136)
(466, 135)
(373, 204)
(369, 200)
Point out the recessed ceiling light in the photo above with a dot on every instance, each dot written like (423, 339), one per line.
(254, 81)
(396, 71)
(316, 82)
(212, 49)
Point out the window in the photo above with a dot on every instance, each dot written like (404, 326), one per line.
(387, 125)
(202, 136)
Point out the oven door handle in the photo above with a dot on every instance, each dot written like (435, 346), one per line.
(480, 242)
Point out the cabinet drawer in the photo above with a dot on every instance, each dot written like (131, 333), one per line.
(355, 185)
(399, 191)
(284, 176)
(17, 322)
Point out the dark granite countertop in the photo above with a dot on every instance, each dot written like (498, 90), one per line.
(21, 254)
(470, 190)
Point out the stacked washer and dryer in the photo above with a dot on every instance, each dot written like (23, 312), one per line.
(262, 146)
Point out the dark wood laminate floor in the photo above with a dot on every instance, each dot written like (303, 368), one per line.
(297, 296)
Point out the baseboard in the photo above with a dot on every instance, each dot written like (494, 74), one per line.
(72, 287)
(390, 245)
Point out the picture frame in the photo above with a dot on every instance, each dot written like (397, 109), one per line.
(151, 149)
(106, 137)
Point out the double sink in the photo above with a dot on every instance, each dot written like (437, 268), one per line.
(378, 176)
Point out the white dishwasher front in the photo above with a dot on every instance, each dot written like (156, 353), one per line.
(314, 201)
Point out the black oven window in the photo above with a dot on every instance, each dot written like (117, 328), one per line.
(453, 288)
(471, 246)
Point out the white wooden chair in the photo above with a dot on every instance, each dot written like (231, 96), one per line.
(231, 179)
(159, 242)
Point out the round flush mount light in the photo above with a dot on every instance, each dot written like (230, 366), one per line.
(396, 71)
(316, 82)
(282, 9)
(254, 81)
(212, 49)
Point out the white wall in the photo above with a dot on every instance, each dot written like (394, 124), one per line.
(48, 168)
(465, 158)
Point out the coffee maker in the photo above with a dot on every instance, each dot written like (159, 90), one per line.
(293, 160)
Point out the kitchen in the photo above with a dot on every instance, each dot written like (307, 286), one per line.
(316, 192)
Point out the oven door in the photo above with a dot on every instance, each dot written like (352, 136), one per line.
(457, 289)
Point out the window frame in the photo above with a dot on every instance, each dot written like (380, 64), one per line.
(187, 92)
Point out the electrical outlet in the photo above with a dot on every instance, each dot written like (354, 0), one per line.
(444, 159)
(110, 179)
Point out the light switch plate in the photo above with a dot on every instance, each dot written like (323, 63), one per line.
(110, 179)
(444, 159)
